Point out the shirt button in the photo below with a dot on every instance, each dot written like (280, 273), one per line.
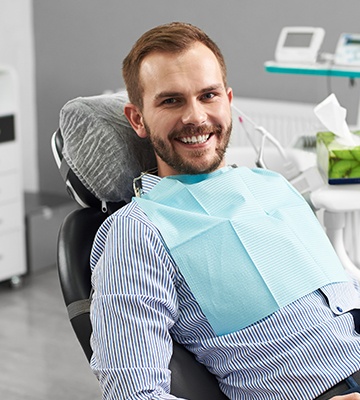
(339, 309)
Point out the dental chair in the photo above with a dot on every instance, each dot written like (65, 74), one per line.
(98, 156)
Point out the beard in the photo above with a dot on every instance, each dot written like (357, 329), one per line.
(194, 164)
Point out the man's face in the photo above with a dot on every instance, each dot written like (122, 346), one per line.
(186, 110)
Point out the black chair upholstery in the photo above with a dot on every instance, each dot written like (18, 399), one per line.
(190, 379)
(73, 259)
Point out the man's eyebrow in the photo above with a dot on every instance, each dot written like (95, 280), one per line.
(169, 94)
(164, 94)
(212, 87)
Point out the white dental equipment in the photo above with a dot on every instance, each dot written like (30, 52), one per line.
(304, 181)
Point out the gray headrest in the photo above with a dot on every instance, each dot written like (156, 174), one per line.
(101, 147)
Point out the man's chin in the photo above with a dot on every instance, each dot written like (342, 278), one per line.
(197, 167)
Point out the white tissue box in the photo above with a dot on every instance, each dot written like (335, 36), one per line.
(337, 163)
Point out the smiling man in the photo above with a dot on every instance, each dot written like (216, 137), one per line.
(229, 262)
(185, 110)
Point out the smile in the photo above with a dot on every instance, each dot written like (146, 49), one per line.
(199, 139)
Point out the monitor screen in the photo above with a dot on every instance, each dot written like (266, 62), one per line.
(298, 39)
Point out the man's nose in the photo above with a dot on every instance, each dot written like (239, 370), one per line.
(194, 114)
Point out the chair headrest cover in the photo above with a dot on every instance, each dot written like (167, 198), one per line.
(101, 147)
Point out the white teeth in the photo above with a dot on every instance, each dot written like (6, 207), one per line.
(195, 139)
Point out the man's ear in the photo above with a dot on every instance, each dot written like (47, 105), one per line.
(134, 116)
(230, 95)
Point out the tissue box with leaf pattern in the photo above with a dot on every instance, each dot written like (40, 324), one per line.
(338, 163)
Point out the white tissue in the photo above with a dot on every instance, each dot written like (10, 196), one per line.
(333, 117)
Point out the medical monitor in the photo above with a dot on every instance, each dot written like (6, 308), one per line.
(348, 50)
(299, 44)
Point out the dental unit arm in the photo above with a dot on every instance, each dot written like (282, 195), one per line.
(304, 181)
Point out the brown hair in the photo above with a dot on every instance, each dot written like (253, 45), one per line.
(173, 37)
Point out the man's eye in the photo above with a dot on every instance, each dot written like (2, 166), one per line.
(208, 96)
(169, 101)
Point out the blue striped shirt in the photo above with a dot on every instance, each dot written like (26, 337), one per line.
(141, 301)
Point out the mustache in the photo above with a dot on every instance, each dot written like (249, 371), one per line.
(196, 130)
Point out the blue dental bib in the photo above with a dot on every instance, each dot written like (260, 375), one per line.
(245, 241)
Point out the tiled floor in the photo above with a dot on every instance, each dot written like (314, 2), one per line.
(39, 354)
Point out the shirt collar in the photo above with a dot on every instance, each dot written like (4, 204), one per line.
(148, 181)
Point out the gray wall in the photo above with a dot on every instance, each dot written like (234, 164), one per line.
(80, 45)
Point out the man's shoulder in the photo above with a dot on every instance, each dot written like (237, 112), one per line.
(130, 214)
(126, 227)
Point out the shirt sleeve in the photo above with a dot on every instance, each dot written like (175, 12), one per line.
(133, 307)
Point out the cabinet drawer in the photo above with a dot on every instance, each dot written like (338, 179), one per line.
(9, 187)
(7, 129)
(11, 216)
(12, 254)
(9, 157)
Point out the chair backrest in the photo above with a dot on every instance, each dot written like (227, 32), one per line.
(190, 379)
(75, 239)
